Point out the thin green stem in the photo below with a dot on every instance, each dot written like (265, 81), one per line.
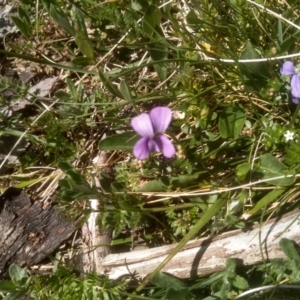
(295, 114)
(215, 208)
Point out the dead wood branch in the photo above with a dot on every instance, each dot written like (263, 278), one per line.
(29, 231)
(95, 242)
(208, 255)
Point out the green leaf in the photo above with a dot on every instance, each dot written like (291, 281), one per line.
(254, 69)
(166, 281)
(47, 4)
(22, 26)
(105, 296)
(82, 61)
(105, 182)
(161, 71)
(193, 20)
(279, 32)
(72, 88)
(167, 7)
(61, 19)
(177, 295)
(125, 91)
(62, 95)
(215, 296)
(75, 186)
(17, 274)
(159, 51)
(232, 121)
(185, 180)
(110, 87)
(15, 295)
(7, 286)
(84, 44)
(31, 182)
(124, 141)
(65, 183)
(69, 170)
(139, 5)
(65, 166)
(151, 19)
(266, 200)
(240, 283)
(289, 249)
(78, 19)
(24, 15)
(230, 266)
(242, 171)
(217, 286)
(156, 185)
(270, 167)
(289, 42)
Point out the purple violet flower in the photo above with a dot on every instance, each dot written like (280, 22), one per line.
(289, 69)
(151, 128)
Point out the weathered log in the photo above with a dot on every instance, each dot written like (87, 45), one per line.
(95, 243)
(208, 255)
(29, 231)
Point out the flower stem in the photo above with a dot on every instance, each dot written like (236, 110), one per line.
(206, 217)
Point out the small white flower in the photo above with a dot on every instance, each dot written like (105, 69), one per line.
(178, 115)
(95, 160)
(289, 136)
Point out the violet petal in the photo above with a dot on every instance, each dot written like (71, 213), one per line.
(165, 146)
(153, 146)
(142, 125)
(161, 118)
(295, 85)
(287, 68)
(296, 100)
(140, 149)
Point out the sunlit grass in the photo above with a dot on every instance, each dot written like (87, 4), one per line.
(215, 65)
